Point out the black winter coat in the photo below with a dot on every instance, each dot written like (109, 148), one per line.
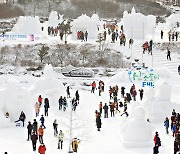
(105, 107)
(61, 101)
(98, 122)
(22, 117)
(35, 126)
(34, 138)
(46, 103)
(29, 127)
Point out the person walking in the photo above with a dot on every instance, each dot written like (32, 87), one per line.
(37, 107)
(55, 126)
(42, 148)
(93, 85)
(34, 138)
(150, 47)
(30, 128)
(46, 106)
(134, 93)
(98, 122)
(60, 139)
(112, 106)
(162, 33)
(40, 100)
(60, 103)
(157, 139)
(122, 91)
(35, 126)
(176, 146)
(105, 107)
(42, 121)
(141, 93)
(86, 35)
(64, 104)
(131, 43)
(168, 54)
(166, 124)
(77, 96)
(68, 92)
(40, 133)
(100, 108)
(110, 92)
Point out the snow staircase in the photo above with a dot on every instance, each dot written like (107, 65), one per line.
(161, 59)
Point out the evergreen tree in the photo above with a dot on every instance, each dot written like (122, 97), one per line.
(43, 52)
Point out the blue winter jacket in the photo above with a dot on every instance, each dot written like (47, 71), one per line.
(166, 123)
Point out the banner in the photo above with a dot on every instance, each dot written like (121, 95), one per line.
(143, 75)
(18, 37)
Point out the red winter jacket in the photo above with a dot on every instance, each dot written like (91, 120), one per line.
(42, 149)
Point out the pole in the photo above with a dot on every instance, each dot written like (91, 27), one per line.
(131, 44)
(143, 42)
(70, 131)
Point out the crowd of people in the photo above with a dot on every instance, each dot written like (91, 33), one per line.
(37, 131)
(115, 103)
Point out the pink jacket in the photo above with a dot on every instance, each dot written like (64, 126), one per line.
(37, 107)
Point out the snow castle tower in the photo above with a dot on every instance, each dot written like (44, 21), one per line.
(137, 132)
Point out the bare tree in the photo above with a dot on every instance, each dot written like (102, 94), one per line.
(3, 51)
(84, 51)
(62, 52)
(18, 50)
(77, 126)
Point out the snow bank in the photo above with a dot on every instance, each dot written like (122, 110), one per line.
(120, 77)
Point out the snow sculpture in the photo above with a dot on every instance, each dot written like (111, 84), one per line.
(133, 10)
(138, 26)
(84, 23)
(54, 20)
(27, 25)
(160, 105)
(96, 20)
(172, 20)
(137, 132)
(48, 86)
(14, 99)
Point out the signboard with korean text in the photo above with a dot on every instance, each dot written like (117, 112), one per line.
(143, 75)
(16, 37)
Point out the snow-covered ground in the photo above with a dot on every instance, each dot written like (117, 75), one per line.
(109, 139)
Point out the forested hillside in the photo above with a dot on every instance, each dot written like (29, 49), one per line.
(73, 8)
